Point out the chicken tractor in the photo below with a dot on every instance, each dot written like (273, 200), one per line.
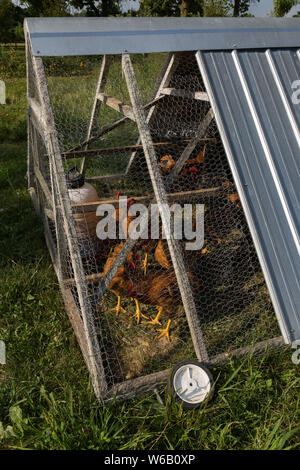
(145, 140)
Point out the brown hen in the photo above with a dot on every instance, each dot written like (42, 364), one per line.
(160, 290)
(120, 283)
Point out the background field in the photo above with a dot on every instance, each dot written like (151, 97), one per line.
(46, 401)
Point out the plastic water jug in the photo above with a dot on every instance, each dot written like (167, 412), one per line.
(85, 220)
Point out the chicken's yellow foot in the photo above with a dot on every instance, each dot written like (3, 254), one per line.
(155, 321)
(119, 307)
(165, 331)
(144, 264)
(205, 249)
(138, 314)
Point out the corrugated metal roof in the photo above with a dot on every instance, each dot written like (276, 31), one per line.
(251, 95)
(87, 36)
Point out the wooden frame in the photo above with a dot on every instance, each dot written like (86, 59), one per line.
(117, 105)
(192, 95)
(127, 148)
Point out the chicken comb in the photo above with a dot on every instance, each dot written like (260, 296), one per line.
(130, 201)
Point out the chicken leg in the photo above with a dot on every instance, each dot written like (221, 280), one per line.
(144, 264)
(165, 331)
(138, 313)
(154, 321)
(118, 307)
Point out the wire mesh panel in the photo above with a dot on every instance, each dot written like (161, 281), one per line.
(151, 302)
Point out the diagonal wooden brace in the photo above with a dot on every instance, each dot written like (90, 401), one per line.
(162, 202)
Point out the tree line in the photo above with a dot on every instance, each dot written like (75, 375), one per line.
(12, 13)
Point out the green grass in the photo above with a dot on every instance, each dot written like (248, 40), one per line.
(46, 400)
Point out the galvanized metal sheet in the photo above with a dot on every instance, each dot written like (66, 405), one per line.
(88, 36)
(258, 116)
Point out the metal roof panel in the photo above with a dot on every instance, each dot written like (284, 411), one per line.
(250, 92)
(92, 36)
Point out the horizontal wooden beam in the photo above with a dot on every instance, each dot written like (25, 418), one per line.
(133, 387)
(129, 148)
(117, 105)
(193, 95)
(254, 348)
(205, 193)
(106, 178)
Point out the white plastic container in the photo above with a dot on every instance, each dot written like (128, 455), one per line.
(85, 221)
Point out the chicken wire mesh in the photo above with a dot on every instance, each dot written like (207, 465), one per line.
(138, 322)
